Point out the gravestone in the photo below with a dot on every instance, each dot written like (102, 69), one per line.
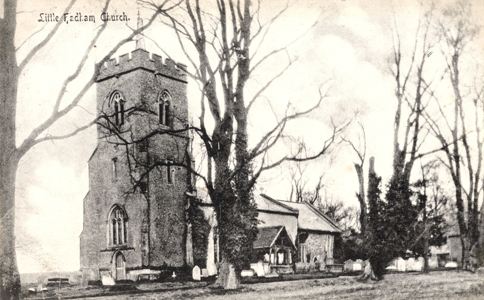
(258, 268)
(349, 265)
(358, 265)
(419, 264)
(401, 265)
(204, 273)
(433, 262)
(247, 273)
(107, 279)
(410, 264)
(196, 273)
(212, 269)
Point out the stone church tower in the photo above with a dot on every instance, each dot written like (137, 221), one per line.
(134, 212)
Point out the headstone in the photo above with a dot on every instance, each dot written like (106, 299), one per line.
(196, 273)
(247, 273)
(204, 273)
(401, 265)
(258, 268)
(410, 264)
(433, 262)
(358, 265)
(267, 268)
(107, 280)
(212, 269)
(392, 266)
(349, 265)
(419, 264)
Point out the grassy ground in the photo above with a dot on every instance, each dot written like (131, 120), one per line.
(435, 285)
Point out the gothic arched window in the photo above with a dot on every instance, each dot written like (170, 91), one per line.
(117, 226)
(164, 108)
(118, 101)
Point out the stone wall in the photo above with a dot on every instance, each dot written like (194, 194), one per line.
(319, 246)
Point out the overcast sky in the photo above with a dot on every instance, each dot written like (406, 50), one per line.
(348, 48)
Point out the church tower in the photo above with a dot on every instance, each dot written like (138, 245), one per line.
(134, 212)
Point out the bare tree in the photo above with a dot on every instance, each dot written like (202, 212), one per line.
(459, 129)
(11, 151)
(360, 150)
(299, 190)
(222, 47)
(411, 88)
(316, 195)
(432, 202)
(410, 75)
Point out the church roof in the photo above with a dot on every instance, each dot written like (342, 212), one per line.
(267, 236)
(266, 203)
(310, 218)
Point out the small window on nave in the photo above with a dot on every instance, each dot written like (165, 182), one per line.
(164, 109)
(117, 226)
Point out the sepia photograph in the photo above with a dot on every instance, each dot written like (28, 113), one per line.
(241, 149)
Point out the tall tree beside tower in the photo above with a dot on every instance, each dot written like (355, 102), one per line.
(11, 150)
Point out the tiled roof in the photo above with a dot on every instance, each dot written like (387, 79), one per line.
(267, 236)
(310, 218)
(266, 203)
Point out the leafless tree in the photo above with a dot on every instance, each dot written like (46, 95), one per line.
(432, 203)
(360, 150)
(299, 190)
(12, 151)
(411, 86)
(459, 129)
(222, 47)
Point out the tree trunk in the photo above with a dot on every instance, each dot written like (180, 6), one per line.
(466, 246)
(9, 276)
(225, 201)
(361, 198)
(368, 273)
(227, 278)
(425, 254)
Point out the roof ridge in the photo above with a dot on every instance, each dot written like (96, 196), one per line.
(278, 203)
(273, 226)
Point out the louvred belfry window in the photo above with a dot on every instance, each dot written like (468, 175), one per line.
(118, 101)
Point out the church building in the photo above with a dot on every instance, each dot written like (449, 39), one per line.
(138, 213)
(134, 213)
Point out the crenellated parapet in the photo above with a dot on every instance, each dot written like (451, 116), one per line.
(144, 60)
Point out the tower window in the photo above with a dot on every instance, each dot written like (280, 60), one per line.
(164, 108)
(117, 226)
(115, 168)
(118, 102)
(170, 170)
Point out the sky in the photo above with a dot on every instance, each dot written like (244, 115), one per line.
(347, 49)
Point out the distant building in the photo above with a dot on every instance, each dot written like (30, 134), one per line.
(450, 251)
